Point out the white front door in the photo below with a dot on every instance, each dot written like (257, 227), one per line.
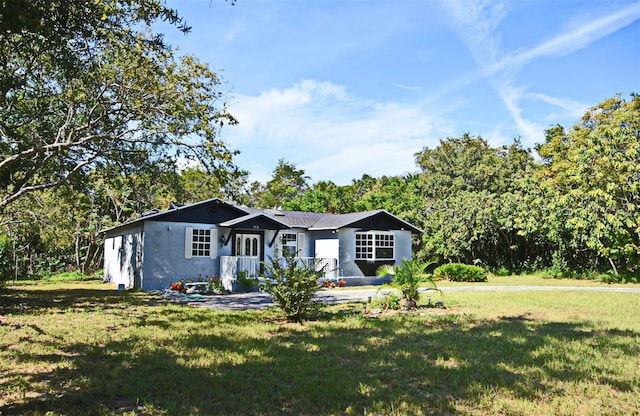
(248, 245)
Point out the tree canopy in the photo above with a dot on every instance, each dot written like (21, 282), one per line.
(87, 86)
(590, 177)
(101, 120)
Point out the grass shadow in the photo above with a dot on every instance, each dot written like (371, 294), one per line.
(181, 361)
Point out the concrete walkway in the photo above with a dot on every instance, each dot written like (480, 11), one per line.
(258, 300)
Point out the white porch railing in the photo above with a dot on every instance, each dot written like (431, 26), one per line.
(328, 264)
(230, 266)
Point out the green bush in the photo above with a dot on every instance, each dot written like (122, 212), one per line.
(291, 285)
(6, 263)
(246, 282)
(458, 272)
(406, 277)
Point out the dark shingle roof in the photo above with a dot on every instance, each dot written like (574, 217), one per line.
(291, 219)
(316, 221)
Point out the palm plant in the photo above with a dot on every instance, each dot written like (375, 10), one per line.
(407, 277)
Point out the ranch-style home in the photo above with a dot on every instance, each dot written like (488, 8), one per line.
(214, 237)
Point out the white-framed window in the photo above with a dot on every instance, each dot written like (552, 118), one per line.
(289, 244)
(200, 242)
(292, 244)
(375, 245)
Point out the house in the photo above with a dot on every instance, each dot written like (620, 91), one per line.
(215, 237)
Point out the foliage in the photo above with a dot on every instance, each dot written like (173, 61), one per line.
(97, 114)
(214, 284)
(591, 182)
(6, 259)
(390, 301)
(407, 277)
(87, 86)
(457, 272)
(292, 285)
(323, 196)
(71, 276)
(286, 184)
(247, 283)
(471, 202)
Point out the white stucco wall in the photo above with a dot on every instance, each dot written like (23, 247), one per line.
(164, 254)
(347, 263)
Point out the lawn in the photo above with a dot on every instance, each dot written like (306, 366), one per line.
(84, 348)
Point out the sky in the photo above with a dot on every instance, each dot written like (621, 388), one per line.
(343, 88)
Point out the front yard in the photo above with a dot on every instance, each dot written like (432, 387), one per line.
(85, 348)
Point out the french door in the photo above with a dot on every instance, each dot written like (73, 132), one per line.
(249, 245)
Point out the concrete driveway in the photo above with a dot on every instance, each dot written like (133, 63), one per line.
(259, 300)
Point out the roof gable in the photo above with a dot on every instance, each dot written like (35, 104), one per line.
(367, 220)
(213, 211)
(257, 221)
(210, 211)
(216, 211)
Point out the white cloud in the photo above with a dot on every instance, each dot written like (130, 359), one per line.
(233, 33)
(572, 108)
(331, 134)
(582, 36)
(477, 24)
(406, 87)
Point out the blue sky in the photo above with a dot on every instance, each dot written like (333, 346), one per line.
(352, 87)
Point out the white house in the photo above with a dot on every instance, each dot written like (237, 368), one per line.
(214, 237)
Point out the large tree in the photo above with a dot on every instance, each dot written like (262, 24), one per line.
(590, 180)
(86, 85)
(287, 183)
(471, 202)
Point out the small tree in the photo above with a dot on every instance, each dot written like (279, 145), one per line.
(406, 277)
(292, 285)
(6, 265)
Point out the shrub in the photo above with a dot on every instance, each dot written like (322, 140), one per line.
(389, 301)
(292, 285)
(458, 272)
(6, 263)
(247, 283)
(406, 277)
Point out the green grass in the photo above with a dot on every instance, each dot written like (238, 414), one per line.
(85, 348)
(531, 280)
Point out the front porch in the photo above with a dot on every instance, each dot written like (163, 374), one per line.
(231, 266)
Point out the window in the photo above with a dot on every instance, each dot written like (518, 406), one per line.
(292, 244)
(200, 242)
(289, 244)
(374, 246)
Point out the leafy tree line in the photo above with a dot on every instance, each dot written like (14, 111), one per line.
(571, 211)
(95, 107)
(100, 120)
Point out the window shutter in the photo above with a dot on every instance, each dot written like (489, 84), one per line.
(213, 249)
(188, 241)
(301, 251)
